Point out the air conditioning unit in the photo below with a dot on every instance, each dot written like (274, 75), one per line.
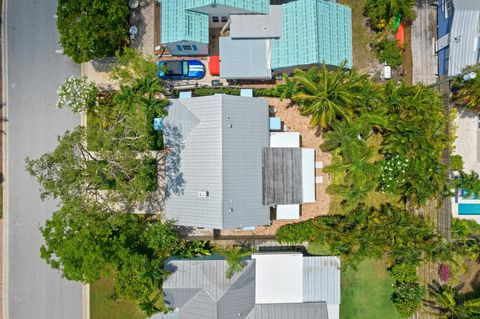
(203, 194)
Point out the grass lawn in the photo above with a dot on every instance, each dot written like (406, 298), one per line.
(101, 307)
(366, 292)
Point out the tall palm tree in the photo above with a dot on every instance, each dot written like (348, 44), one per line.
(328, 95)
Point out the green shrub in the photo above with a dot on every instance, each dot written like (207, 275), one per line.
(407, 297)
(297, 233)
(260, 92)
(266, 92)
(212, 91)
(91, 29)
(383, 12)
(387, 51)
(456, 163)
(404, 272)
(462, 228)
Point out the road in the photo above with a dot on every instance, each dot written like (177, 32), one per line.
(33, 72)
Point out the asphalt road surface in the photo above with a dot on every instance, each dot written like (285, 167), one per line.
(34, 72)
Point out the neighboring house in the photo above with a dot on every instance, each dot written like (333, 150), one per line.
(271, 286)
(259, 38)
(458, 41)
(225, 170)
(468, 146)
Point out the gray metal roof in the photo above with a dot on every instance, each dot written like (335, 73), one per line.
(289, 311)
(210, 293)
(282, 175)
(257, 26)
(321, 279)
(215, 145)
(464, 36)
(244, 58)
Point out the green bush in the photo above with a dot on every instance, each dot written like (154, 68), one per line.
(383, 12)
(456, 163)
(404, 272)
(266, 92)
(407, 297)
(212, 91)
(260, 92)
(387, 51)
(297, 233)
(92, 29)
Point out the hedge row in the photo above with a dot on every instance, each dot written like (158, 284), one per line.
(259, 92)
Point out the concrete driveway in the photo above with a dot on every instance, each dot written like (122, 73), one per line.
(424, 30)
(33, 72)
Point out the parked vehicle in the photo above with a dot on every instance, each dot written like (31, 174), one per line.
(181, 70)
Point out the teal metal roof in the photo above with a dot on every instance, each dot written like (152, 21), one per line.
(180, 23)
(314, 31)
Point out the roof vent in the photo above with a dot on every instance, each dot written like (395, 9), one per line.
(203, 194)
(230, 210)
(230, 125)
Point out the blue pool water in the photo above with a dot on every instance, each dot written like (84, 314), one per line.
(468, 209)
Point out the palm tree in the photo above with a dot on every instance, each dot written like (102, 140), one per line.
(468, 93)
(342, 136)
(453, 305)
(149, 305)
(328, 95)
(235, 258)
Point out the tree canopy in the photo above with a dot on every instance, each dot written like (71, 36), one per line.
(91, 29)
(103, 173)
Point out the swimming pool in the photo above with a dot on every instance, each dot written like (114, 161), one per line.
(468, 209)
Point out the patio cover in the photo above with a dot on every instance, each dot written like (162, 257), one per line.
(282, 176)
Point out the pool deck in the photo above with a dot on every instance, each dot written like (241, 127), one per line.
(467, 143)
(455, 201)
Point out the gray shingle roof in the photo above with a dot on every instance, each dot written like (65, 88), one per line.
(215, 145)
(282, 175)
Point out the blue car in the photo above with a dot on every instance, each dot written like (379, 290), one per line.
(181, 70)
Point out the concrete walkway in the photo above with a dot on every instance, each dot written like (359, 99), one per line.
(423, 37)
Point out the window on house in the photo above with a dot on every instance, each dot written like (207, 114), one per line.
(224, 19)
(194, 47)
(215, 19)
(179, 47)
(187, 47)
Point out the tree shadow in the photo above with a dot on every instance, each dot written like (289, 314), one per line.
(169, 175)
(174, 181)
